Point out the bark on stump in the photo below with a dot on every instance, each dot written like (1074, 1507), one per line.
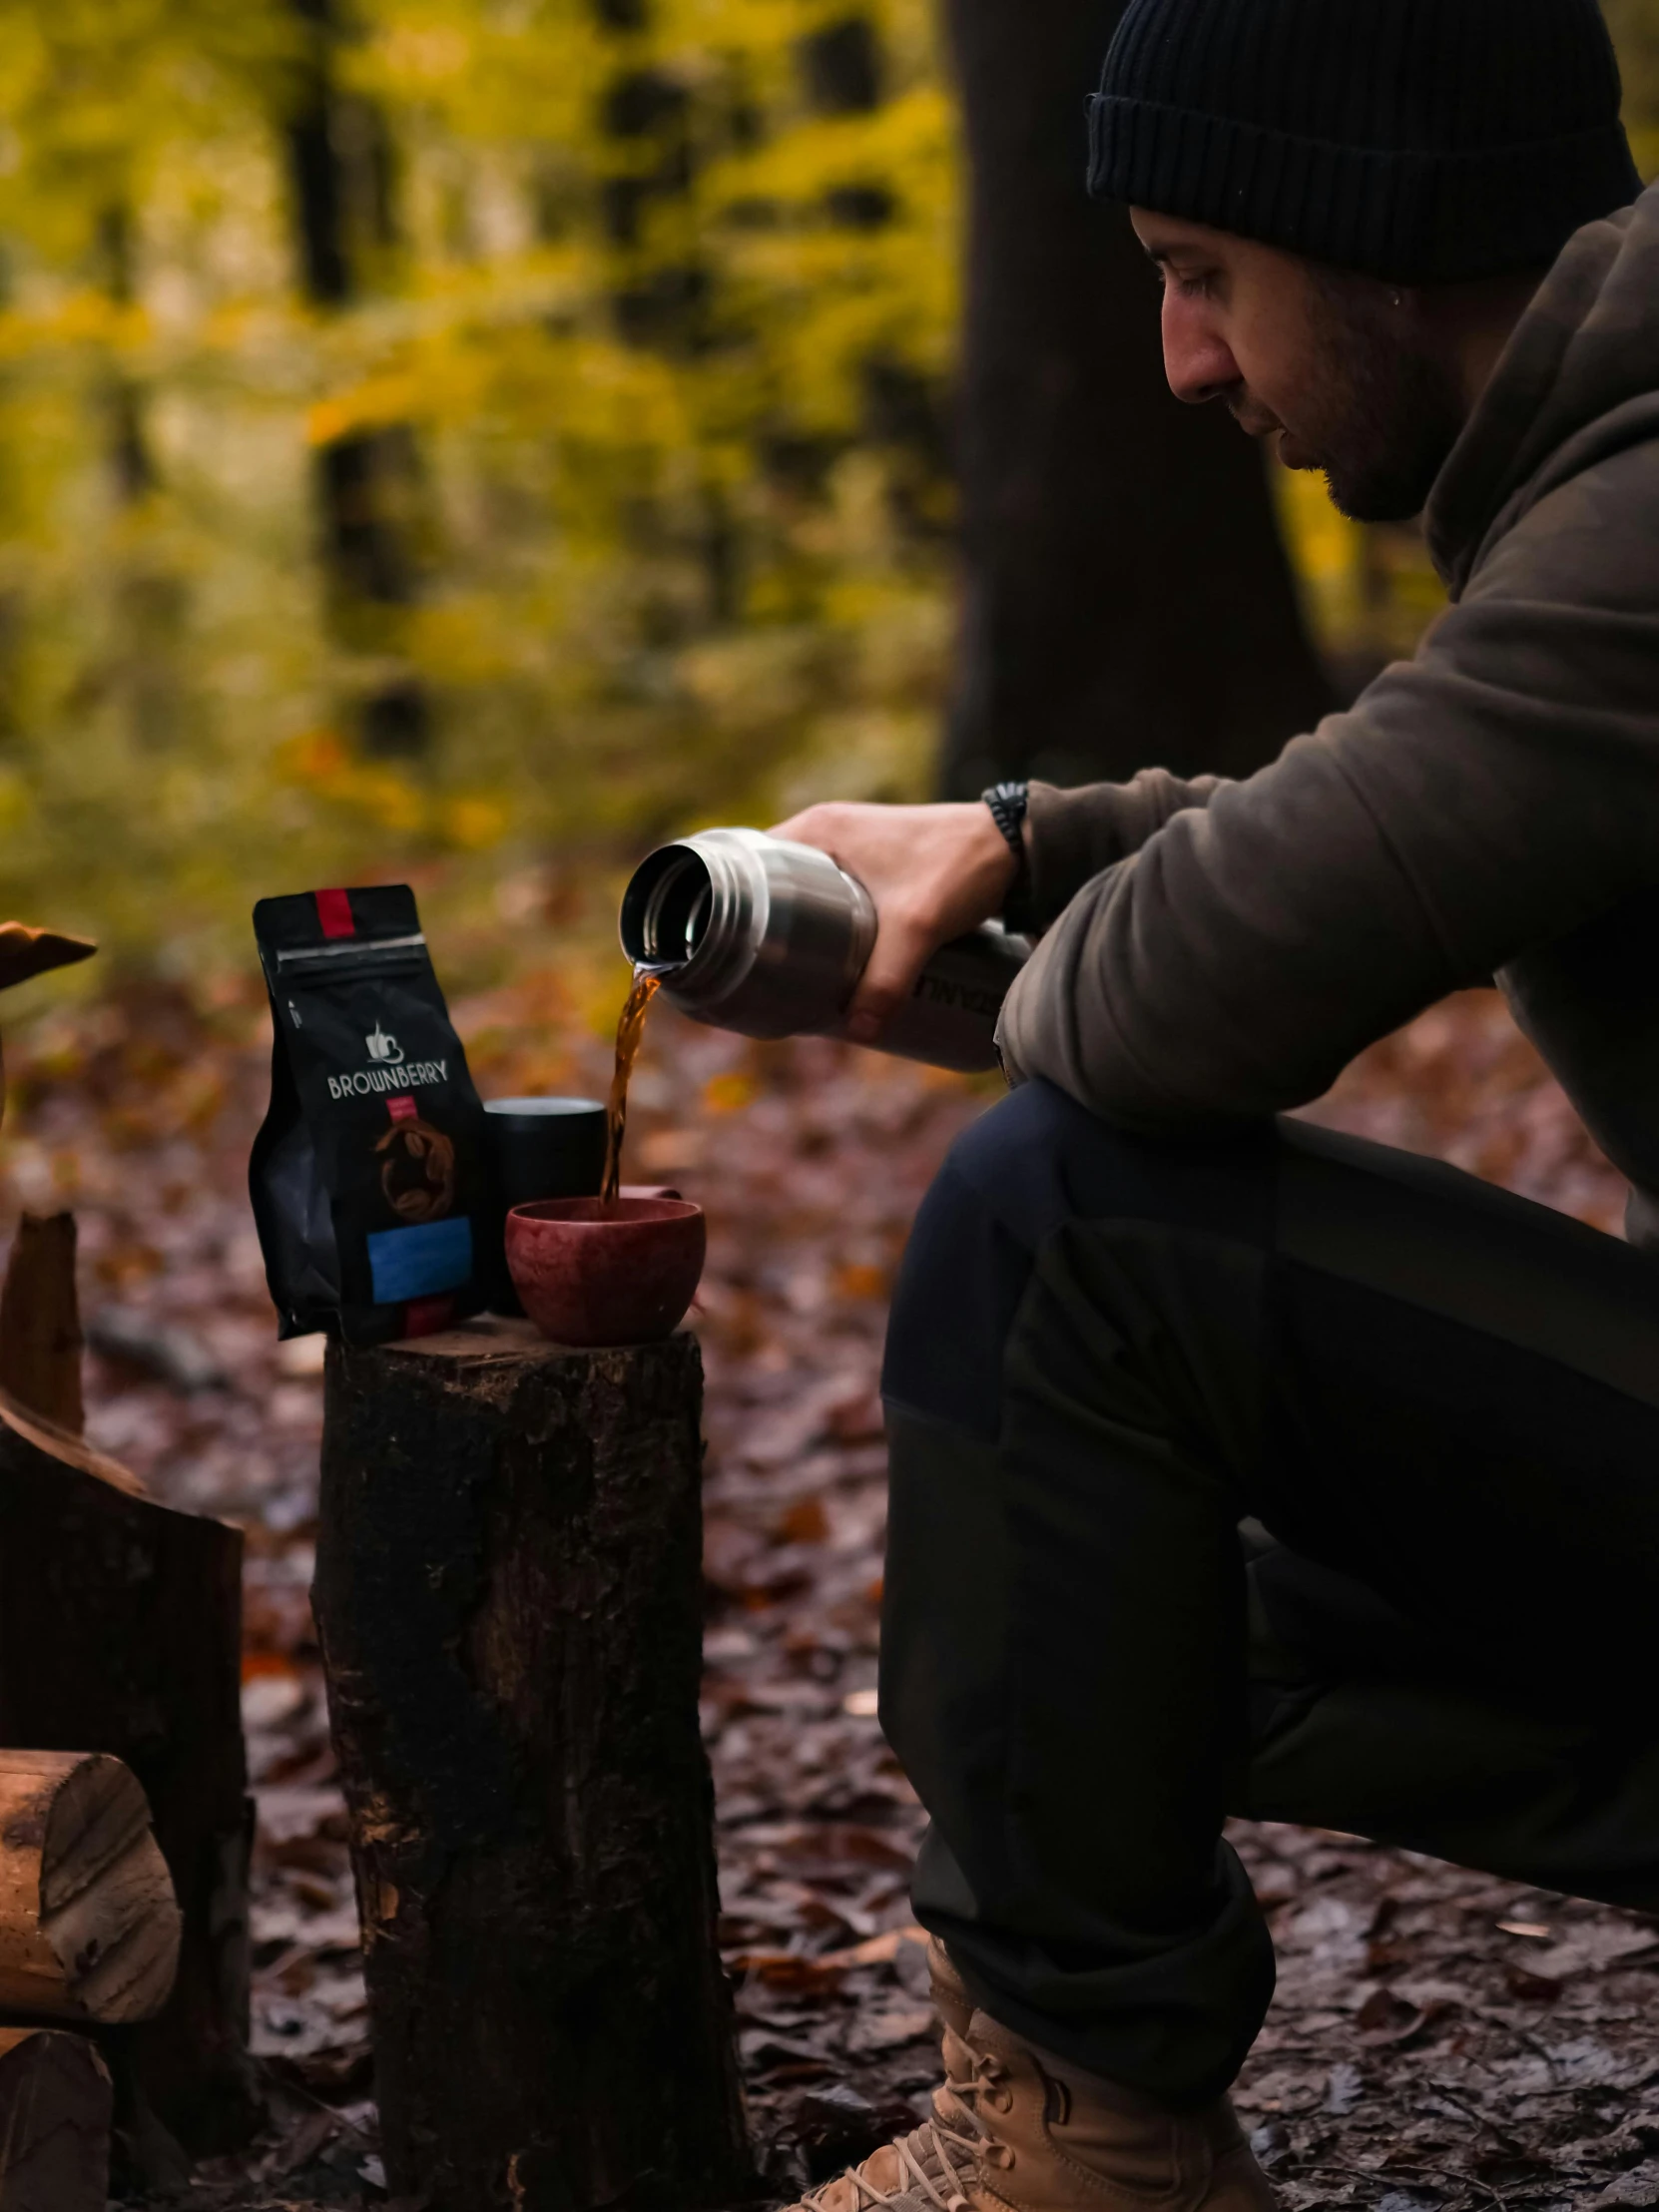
(508, 1595)
(121, 1633)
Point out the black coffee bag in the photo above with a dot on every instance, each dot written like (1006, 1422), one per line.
(369, 1175)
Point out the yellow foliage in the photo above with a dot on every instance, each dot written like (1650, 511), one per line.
(474, 824)
(661, 345)
(730, 1092)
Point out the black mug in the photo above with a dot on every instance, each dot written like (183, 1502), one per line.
(539, 1148)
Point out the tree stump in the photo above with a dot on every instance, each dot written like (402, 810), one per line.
(54, 2109)
(119, 1632)
(508, 1595)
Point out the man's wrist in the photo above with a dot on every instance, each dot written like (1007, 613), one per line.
(1007, 804)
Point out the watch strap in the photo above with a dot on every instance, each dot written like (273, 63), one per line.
(1008, 804)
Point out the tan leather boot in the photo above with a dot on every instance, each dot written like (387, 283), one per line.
(1017, 2130)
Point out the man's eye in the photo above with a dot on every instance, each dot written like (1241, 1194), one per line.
(1185, 284)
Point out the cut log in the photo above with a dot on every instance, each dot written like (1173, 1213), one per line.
(119, 1632)
(508, 1595)
(40, 1322)
(54, 2109)
(89, 1926)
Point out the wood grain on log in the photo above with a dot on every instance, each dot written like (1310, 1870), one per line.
(54, 2109)
(89, 1927)
(508, 1592)
(40, 1322)
(119, 1632)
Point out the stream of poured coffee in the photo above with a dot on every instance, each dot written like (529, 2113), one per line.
(630, 1030)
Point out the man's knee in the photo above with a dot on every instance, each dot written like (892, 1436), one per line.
(1012, 1181)
(1038, 1160)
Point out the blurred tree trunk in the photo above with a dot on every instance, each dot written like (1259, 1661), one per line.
(149, 606)
(368, 481)
(660, 299)
(1127, 598)
(131, 465)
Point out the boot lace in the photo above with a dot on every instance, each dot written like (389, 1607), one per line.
(937, 2157)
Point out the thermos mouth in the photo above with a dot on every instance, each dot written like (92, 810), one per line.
(767, 937)
(666, 909)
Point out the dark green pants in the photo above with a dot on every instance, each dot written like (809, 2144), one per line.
(1437, 1408)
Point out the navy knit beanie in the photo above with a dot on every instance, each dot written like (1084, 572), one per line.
(1421, 141)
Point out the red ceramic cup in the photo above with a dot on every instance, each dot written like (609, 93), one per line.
(591, 1274)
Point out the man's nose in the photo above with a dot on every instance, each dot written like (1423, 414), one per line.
(1197, 359)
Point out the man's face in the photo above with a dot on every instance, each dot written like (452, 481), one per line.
(1337, 372)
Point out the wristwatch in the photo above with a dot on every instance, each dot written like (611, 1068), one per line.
(1008, 804)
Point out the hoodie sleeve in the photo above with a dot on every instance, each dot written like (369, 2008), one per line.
(1071, 836)
(1481, 800)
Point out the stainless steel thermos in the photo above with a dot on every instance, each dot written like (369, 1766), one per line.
(769, 939)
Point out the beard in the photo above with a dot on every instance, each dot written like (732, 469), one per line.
(1382, 411)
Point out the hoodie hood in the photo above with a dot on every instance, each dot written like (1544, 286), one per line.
(1578, 380)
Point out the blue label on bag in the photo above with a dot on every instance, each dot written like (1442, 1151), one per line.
(419, 1262)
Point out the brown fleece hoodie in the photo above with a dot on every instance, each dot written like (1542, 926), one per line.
(1490, 808)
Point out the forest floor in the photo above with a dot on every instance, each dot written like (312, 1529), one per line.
(1440, 2038)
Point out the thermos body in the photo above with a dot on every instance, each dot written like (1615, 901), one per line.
(769, 939)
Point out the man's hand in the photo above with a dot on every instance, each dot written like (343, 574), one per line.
(934, 872)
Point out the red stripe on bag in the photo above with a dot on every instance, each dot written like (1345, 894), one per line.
(333, 910)
(424, 1317)
(402, 1109)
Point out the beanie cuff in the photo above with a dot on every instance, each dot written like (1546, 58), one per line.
(1409, 218)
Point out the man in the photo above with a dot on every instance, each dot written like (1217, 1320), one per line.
(1140, 1315)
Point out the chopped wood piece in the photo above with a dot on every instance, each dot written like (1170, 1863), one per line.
(119, 1632)
(55, 2109)
(89, 1927)
(508, 1592)
(27, 952)
(40, 1322)
(63, 1445)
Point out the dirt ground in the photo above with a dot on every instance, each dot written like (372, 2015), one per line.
(1440, 2038)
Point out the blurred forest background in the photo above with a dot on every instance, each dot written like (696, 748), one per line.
(461, 441)
(466, 438)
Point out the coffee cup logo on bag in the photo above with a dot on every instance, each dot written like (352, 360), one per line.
(368, 1178)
